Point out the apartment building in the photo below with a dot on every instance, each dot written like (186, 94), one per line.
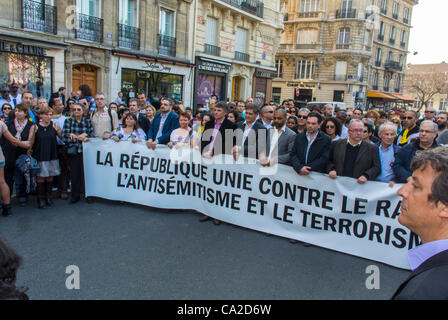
(338, 50)
(113, 45)
(235, 45)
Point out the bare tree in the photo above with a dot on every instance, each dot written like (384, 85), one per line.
(427, 85)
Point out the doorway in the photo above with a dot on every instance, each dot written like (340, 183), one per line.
(236, 88)
(85, 74)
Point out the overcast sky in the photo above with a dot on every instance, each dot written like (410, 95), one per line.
(429, 33)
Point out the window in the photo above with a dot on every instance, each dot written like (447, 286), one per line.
(346, 6)
(397, 84)
(406, 15)
(166, 23)
(386, 82)
(276, 95)
(395, 10)
(129, 12)
(392, 33)
(309, 5)
(307, 38)
(403, 37)
(390, 56)
(379, 56)
(340, 72)
(384, 6)
(375, 80)
(338, 96)
(210, 31)
(90, 7)
(241, 40)
(304, 69)
(279, 67)
(382, 29)
(344, 36)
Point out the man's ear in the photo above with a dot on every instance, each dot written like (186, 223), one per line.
(443, 213)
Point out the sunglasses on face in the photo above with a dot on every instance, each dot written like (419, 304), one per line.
(408, 118)
(329, 127)
(7, 108)
(270, 111)
(365, 131)
(77, 109)
(429, 111)
(302, 117)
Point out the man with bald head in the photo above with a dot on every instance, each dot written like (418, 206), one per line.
(425, 141)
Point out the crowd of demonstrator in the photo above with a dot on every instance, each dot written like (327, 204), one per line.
(42, 140)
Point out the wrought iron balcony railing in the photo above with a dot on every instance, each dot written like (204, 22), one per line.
(39, 16)
(128, 37)
(393, 65)
(241, 56)
(254, 7)
(213, 50)
(89, 28)
(346, 14)
(304, 46)
(167, 45)
(313, 14)
(403, 44)
(340, 46)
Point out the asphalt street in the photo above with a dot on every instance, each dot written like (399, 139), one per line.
(126, 251)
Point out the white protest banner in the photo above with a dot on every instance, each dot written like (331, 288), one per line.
(338, 214)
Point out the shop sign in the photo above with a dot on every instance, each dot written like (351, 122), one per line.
(265, 74)
(301, 85)
(212, 67)
(156, 67)
(22, 49)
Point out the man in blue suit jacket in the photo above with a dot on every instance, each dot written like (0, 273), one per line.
(163, 124)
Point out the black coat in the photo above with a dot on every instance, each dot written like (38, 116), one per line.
(427, 282)
(318, 155)
(220, 138)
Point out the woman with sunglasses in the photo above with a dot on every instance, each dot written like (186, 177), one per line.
(77, 129)
(332, 127)
(6, 109)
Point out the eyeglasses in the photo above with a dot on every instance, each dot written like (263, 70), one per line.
(302, 117)
(77, 109)
(430, 112)
(408, 118)
(7, 108)
(329, 127)
(269, 111)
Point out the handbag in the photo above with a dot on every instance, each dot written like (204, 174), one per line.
(72, 150)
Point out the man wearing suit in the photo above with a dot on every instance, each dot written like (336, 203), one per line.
(250, 135)
(280, 141)
(163, 124)
(143, 122)
(217, 131)
(311, 149)
(353, 157)
(60, 94)
(215, 139)
(424, 210)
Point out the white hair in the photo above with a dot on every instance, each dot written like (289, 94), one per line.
(436, 127)
(388, 125)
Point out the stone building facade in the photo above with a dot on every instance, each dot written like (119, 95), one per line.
(235, 45)
(113, 45)
(329, 49)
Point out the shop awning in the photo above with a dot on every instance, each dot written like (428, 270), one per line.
(392, 96)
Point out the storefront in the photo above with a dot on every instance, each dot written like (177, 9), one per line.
(26, 65)
(211, 79)
(262, 86)
(161, 78)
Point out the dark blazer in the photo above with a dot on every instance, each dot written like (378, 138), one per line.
(285, 143)
(221, 137)
(257, 134)
(143, 122)
(171, 123)
(403, 159)
(427, 282)
(318, 155)
(367, 162)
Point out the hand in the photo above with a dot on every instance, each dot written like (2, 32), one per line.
(170, 145)
(87, 139)
(107, 135)
(135, 140)
(116, 139)
(362, 180)
(305, 171)
(333, 174)
(207, 154)
(235, 152)
(73, 136)
(391, 184)
(263, 160)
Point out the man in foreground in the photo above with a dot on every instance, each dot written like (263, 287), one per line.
(424, 210)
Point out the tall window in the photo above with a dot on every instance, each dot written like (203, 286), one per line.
(241, 40)
(340, 72)
(386, 82)
(344, 36)
(304, 69)
(406, 15)
(390, 56)
(89, 7)
(395, 10)
(392, 33)
(379, 55)
(210, 31)
(279, 67)
(375, 80)
(166, 23)
(309, 5)
(346, 6)
(307, 36)
(382, 28)
(397, 84)
(403, 36)
(384, 6)
(129, 12)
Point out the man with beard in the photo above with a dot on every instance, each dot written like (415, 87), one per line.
(410, 128)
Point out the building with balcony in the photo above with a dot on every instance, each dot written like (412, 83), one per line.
(235, 45)
(114, 45)
(328, 51)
